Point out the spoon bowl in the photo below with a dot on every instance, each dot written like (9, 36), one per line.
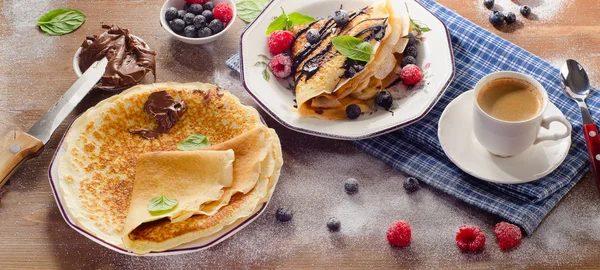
(576, 80)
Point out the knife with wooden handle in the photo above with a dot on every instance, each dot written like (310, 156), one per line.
(18, 146)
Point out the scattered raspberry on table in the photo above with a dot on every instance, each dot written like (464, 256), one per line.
(399, 234)
(508, 235)
(470, 238)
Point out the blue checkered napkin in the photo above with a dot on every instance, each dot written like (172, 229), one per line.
(416, 151)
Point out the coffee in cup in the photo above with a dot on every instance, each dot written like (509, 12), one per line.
(509, 114)
(510, 99)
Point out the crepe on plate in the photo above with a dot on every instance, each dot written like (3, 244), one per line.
(163, 234)
(327, 81)
(97, 171)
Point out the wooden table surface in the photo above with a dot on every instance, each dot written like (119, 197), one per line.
(35, 69)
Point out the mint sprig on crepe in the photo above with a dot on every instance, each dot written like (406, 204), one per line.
(353, 48)
(194, 142)
(285, 21)
(161, 205)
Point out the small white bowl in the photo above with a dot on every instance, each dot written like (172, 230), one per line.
(78, 52)
(195, 41)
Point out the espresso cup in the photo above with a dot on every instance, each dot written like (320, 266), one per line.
(510, 138)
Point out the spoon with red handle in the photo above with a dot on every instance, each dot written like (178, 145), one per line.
(578, 88)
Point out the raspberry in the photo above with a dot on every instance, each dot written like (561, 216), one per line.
(280, 41)
(470, 238)
(399, 234)
(411, 75)
(196, 1)
(508, 235)
(281, 66)
(223, 12)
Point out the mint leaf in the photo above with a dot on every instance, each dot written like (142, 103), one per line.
(298, 19)
(61, 21)
(266, 75)
(281, 23)
(194, 142)
(248, 10)
(419, 26)
(161, 205)
(353, 48)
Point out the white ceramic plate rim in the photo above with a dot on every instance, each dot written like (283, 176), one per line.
(346, 135)
(183, 249)
(491, 180)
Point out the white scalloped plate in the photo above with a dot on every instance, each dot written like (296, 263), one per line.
(435, 57)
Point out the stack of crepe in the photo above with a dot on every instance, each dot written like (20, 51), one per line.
(109, 175)
(325, 83)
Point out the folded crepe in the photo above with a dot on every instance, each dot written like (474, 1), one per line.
(160, 235)
(192, 178)
(251, 149)
(327, 81)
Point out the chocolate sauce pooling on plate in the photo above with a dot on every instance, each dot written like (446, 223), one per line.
(129, 58)
(165, 110)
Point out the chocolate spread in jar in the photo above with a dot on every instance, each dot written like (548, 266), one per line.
(165, 110)
(129, 58)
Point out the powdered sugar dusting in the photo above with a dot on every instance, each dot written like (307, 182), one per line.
(542, 10)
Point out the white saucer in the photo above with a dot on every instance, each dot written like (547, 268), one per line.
(455, 132)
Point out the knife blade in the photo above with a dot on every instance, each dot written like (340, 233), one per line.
(44, 127)
(19, 146)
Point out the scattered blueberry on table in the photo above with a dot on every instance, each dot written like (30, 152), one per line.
(284, 214)
(351, 185)
(411, 184)
(497, 18)
(488, 3)
(525, 11)
(510, 18)
(333, 224)
(199, 21)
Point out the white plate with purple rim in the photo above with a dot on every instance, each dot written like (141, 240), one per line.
(194, 246)
(435, 58)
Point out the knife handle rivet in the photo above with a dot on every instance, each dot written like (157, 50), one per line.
(592, 134)
(15, 149)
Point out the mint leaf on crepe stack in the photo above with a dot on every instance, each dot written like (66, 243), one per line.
(353, 48)
(194, 142)
(162, 205)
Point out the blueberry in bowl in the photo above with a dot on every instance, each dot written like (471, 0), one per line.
(197, 21)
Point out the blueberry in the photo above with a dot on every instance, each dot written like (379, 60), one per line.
(196, 9)
(341, 17)
(488, 3)
(199, 21)
(410, 51)
(204, 32)
(496, 18)
(411, 39)
(510, 18)
(351, 184)
(181, 14)
(333, 224)
(411, 184)
(209, 6)
(208, 15)
(313, 36)
(407, 60)
(353, 111)
(189, 31)
(525, 11)
(283, 214)
(189, 18)
(186, 6)
(171, 14)
(384, 99)
(216, 26)
(177, 25)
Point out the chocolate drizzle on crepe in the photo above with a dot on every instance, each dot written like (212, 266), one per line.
(129, 59)
(312, 65)
(165, 110)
